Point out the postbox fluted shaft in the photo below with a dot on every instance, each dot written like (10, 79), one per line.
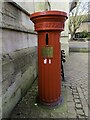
(49, 25)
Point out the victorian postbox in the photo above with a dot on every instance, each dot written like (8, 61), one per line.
(49, 24)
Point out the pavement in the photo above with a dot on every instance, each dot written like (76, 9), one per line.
(77, 46)
(74, 93)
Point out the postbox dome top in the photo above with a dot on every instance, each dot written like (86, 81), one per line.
(49, 20)
(50, 13)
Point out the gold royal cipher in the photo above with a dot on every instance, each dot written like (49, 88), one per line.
(47, 52)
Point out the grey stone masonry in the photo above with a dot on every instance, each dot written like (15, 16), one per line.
(18, 55)
(19, 70)
(17, 29)
(14, 18)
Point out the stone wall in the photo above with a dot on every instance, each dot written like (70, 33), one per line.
(19, 55)
(19, 70)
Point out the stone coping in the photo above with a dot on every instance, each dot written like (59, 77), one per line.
(8, 26)
(18, 6)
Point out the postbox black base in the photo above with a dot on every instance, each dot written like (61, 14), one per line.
(50, 105)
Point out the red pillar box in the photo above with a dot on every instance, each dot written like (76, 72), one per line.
(49, 24)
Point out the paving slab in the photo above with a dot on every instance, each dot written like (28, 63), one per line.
(28, 107)
(74, 93)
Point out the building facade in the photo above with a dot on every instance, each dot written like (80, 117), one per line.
(62, 6)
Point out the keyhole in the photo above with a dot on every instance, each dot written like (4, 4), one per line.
(46, 39)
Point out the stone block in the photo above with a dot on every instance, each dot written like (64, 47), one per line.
(34, 73)
(71, 110)
(17, 79)
(80, 111)
(69, 99)
(76, 96)
(20, 80)
(83, 101)
(32, 39)
(10, 104)
(87, 111)
(7, 69)
(74, 90)
(6, 84)
(71, 105)
(20, 59)
(75, 93)
(12, 89)
(71, 115)
(78, 106)
(15, 18)
(77, 100)
(82, 117)
(27, 79)
(69, 95)
(13, 40)
(0, 88)
(0, 106)
(24, 68)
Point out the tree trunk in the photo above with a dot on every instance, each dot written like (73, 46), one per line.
(72, 36)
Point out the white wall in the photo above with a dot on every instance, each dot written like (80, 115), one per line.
(32, 6)
(28, 5)
(62, 5)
